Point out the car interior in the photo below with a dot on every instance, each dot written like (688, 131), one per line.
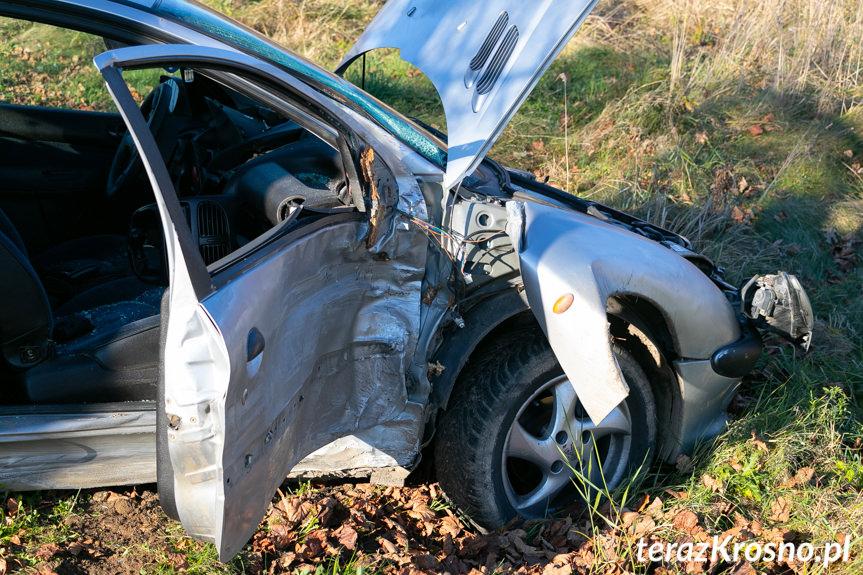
(81, 246)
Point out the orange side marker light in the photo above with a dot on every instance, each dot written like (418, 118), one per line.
(563, 302)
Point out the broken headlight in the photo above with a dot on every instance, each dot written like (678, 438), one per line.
(779, 303)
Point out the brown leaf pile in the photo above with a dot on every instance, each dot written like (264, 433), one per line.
(408, 531)
(648, 525)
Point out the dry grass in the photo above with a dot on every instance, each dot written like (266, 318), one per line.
(320, 30)
(791, 46)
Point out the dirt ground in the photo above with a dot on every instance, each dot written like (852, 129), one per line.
(340, 528)
(108, 533)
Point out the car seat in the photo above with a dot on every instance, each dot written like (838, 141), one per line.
(101, 345)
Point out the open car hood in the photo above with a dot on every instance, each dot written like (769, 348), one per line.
(484, 58)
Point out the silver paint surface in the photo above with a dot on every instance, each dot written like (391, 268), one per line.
(564, 252)
(442, 37)
(72, 450)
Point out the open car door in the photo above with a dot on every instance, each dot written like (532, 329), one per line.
(302, 339)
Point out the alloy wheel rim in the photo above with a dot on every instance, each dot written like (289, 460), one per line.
(552, 442)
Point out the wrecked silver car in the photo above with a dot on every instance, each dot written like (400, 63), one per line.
(266, 269)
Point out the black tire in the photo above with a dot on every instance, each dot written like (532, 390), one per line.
(518, 379)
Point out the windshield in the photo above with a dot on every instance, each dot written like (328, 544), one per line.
(219, 26)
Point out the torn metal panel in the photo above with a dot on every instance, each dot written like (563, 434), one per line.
(565, 253)
(76, 449)
(339, 336)
(380, 186)
(381, 446)
(407, 167)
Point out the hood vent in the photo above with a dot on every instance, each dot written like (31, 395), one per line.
(481, 57)
(492, 72)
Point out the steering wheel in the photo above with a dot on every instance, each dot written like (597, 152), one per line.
(157, 108)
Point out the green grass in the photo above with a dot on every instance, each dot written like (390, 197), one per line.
(48, 66)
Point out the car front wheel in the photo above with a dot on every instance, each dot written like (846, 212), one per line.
(515, 440)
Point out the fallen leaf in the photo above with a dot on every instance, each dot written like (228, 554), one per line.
(286, 559)
(841, 538)
(305, 568)
(848, 154)
(46, 551)
(76, 549)
(516, 537)
(686, 521)
(12, 506)
(426, 562)
(780, 510)
(743, 216)
(422, 512)
(537, 145)
(803, 476)
(552, 569)
(388, 545)
(297, 510)
(715, 485)
(655, 507)
(755, 527)
(844, 254)
(779, 535)
(315, 543)
(447, 546)
(346, 536)
(2, 566)
(451, 526)
(758, 443)
(701, 138)
(644, 503)
(793, 249)
(178, 561)
(638, 525)
(755, 129)
(744, 568)
(677, 494)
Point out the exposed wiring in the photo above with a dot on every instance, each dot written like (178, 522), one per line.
(438, 235)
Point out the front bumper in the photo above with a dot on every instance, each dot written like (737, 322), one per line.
(774, 303)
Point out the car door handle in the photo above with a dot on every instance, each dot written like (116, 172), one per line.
(254, 344)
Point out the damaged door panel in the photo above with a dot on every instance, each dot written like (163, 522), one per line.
(580, 262)
(302, 341)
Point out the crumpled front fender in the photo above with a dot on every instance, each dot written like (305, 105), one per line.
(563, 252)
